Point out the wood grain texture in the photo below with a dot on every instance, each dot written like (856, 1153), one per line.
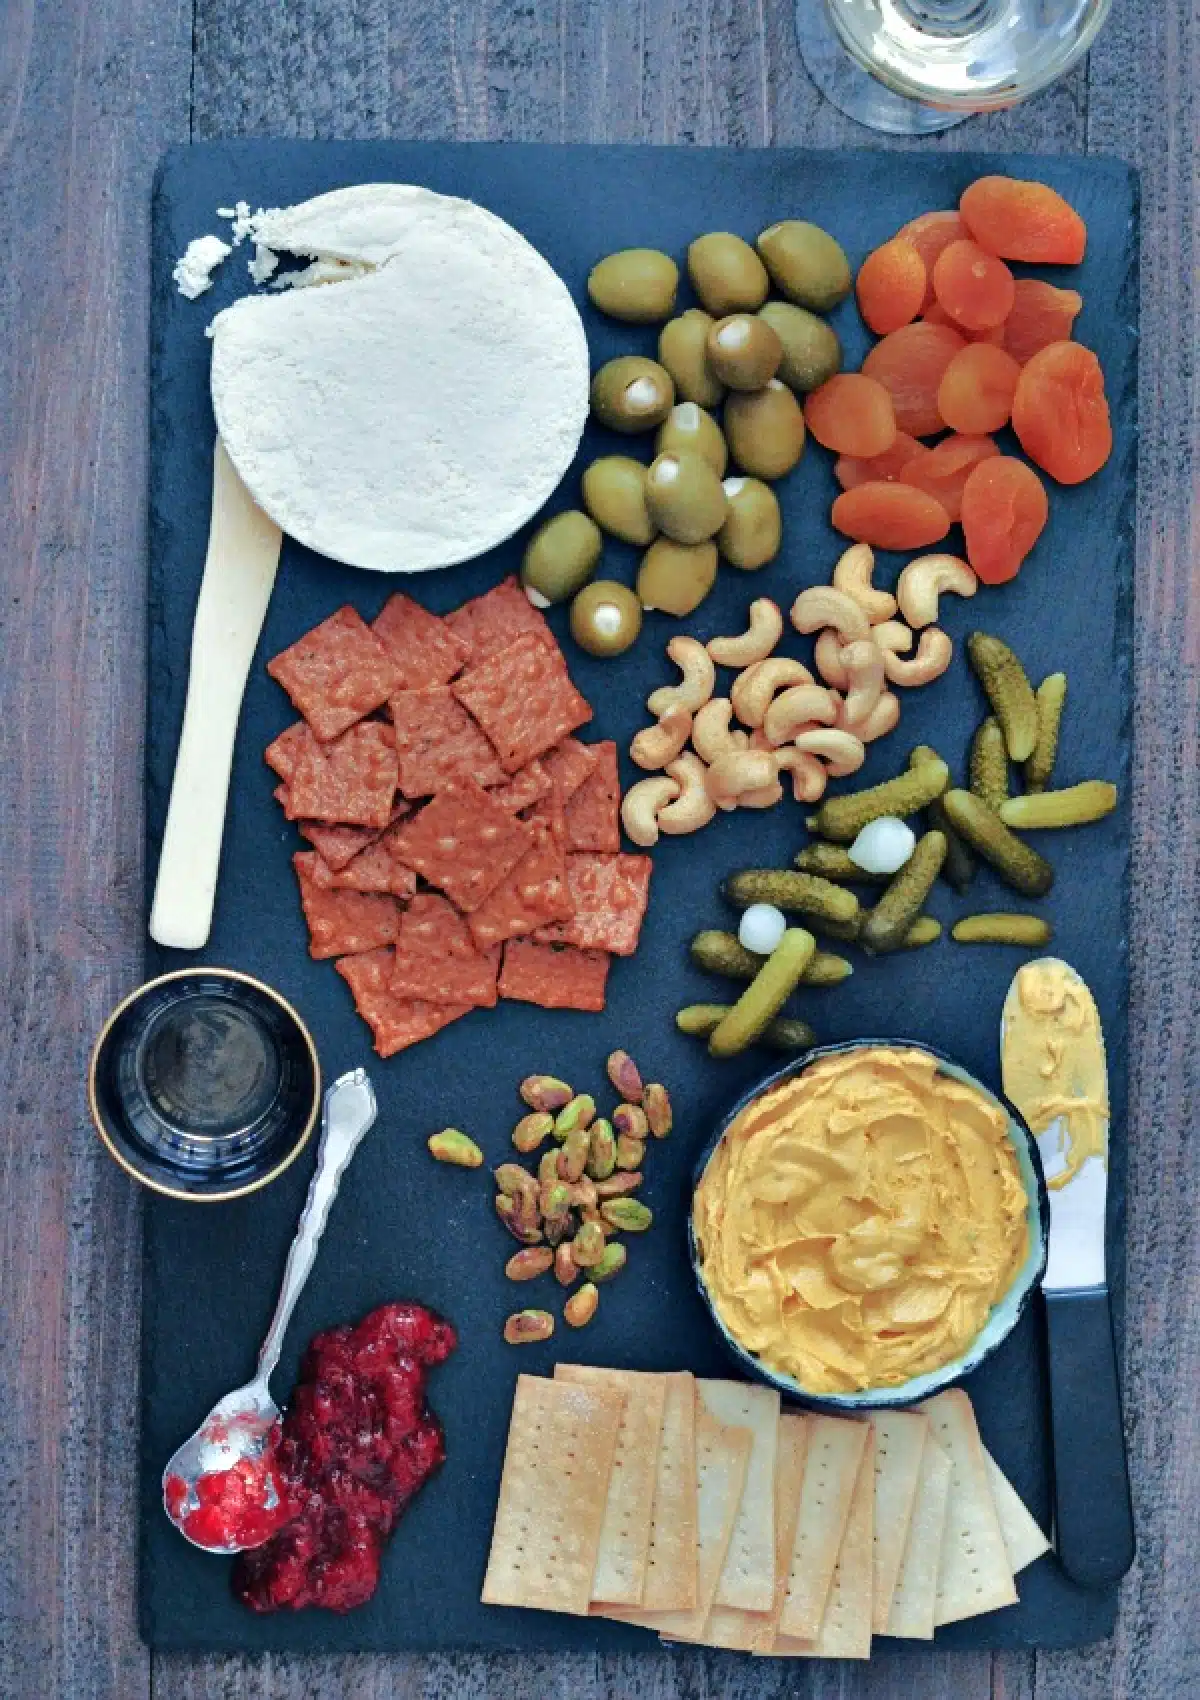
(88, 94)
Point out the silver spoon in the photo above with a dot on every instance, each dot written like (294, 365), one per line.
(240, 1425)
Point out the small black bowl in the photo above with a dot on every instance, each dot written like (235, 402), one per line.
(1004, 1316)
(204, 1084)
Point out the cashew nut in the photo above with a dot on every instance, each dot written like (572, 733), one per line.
(693, 808)
(934, 652)
(853, 576)
(641, 806)
(808, 776)
(752, 690)
(864, 665)
(894, 636)
(655, 746)
(841, 751)
(733, 775)
(711, 736)
(927, 578)
(821, 605)
(883, 718)
(794, 709)
(755, 644)
(697, 684)
(828, 657)
(765, 797)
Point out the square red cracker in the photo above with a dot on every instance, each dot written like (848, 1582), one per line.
(610, 894)
(534, 893)
(395, 1022)
(351, 781)
(568, 765)
(438, 960)
(496, 619)
(593, 814)
(336, 674)
(463, 842)
(341, 923)
(422, 647)
(437, 741)
(554, 976)
(523, 698)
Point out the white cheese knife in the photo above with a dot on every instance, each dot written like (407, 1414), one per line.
(1054, 1068)
(239, 574)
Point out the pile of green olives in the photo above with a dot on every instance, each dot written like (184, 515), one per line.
(722, 404)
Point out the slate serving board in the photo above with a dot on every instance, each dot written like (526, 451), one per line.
(404, 1227)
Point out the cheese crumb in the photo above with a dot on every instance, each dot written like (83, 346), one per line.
(199, 260)
(265, 263)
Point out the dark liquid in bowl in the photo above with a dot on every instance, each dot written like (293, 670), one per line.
(208, 1066)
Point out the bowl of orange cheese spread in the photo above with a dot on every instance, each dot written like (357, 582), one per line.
(868, 1224)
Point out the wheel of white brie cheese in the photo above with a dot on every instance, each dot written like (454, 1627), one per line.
(419, 406)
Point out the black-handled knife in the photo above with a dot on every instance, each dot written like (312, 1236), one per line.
(1055, 1072)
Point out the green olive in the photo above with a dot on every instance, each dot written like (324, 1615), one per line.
(637, 285)
(727, 274)
(688, 429)
(632, 394)
(681, 349)
(606, 617)
(614, 493)
(753, 528)
(676, 577)
(765, 430)
(744, 351)
(685, 497)
(560, 557)
(806, 264)
(812, 353)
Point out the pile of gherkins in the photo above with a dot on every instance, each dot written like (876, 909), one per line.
(723, 391)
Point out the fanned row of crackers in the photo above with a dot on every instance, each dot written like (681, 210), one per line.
(701, 1510)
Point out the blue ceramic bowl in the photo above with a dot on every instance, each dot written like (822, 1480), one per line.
(1004, 1315)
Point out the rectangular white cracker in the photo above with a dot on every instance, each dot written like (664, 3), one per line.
(671, 1559)
(553, 1491)
(845, 1631)
(722, 1458)
(835, 1449)
(748, 1577)
(899, 1444)
(1023, 1538)
(915, 1595)
(974, 1575)
(620, 1574)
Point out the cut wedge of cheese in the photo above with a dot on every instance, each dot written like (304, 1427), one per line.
(422, 404)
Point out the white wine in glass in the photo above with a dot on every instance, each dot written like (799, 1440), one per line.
(912, 66)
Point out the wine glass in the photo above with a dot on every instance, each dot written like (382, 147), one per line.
(913, 66)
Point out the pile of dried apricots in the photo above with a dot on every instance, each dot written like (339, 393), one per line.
(968, 348)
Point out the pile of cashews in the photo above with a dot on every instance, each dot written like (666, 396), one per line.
(789, 723)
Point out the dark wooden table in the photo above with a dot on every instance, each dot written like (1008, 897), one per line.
(90, 93)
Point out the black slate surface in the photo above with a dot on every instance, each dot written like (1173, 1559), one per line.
(404, 1227)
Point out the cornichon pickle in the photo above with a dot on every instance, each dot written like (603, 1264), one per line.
(753, 527)
(782, 1034)
(806, 264)
(683, 351)
(989, 763)
(689, 429)
(889, 923)
(812, 353)
(958, 869)
(806, 893)
(723, 953)
(726, 273)
(1076, 805)
(1051, 697)
(638, 285)
(766, 994)
(832, 862)
(1028, 930)
(926, 929)
(560, 557)
(765, 430)
(1006, 685)
(685, 497)
(614, 493)
(843, 818)
(676, 577)
(984, 831)
(744, 351)
(632, 394)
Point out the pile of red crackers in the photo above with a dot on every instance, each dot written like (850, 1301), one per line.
(465, 847)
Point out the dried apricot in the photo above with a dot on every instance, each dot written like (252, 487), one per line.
(973, 286)
(851, 415)
(890, 516)
(850, 470)
(943, 470)
(936, 314)
(929, 234)
(891, 286)
(1004, 509)
(1020, 220)
(909, 364)
(977, 389)
(1041, 314)
(1060, 412)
